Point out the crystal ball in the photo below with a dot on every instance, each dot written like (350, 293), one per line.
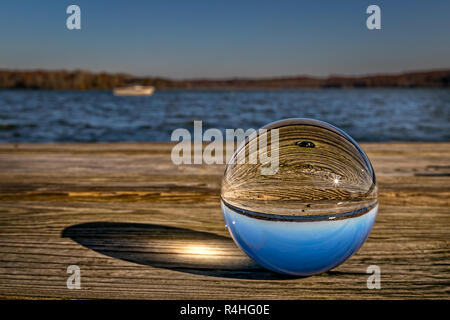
(299, 196)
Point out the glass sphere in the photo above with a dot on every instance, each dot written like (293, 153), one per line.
(306, 204)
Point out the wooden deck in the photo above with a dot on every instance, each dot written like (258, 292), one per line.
(140, 227)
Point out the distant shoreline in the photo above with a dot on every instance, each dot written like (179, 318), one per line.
(85, 80)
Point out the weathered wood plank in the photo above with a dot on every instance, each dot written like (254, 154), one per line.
(140, 227)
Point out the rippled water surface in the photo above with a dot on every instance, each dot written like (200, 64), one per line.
(88, 116)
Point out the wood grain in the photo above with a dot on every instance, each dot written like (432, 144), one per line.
(329, 177)
(140, 227)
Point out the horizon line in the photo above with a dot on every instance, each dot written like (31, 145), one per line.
(279, 77)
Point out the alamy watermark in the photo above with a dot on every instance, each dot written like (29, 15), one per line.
(373, 21)
(190, 149)
(74, 280)
(374, 280)
(73, 22)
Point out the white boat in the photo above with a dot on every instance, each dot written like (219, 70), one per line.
(136, 90)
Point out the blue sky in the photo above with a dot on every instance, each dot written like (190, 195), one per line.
(220, 39)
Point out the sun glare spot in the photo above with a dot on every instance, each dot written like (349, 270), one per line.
(199, 250)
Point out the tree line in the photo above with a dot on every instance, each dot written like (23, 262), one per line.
(85, 80)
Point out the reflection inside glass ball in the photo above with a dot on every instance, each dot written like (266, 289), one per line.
(313, 211)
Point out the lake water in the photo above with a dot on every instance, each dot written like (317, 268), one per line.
(90, 116)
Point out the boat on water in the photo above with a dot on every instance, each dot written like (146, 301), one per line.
(136, 90)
